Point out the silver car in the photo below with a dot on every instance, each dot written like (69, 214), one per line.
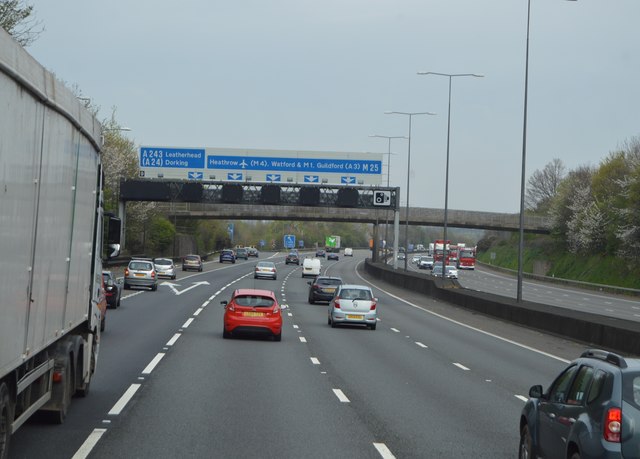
(140, 273)
(165, 267)
(353, 304)
(265, 269)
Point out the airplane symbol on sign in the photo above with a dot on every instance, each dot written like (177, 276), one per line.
(232, 176)
(243, 164)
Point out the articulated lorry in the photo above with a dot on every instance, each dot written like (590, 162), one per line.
(51, 240)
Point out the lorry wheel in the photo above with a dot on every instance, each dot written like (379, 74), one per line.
(6, 418)
(82, 388)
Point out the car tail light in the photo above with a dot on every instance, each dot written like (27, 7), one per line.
(126, 271)
(612, 425)
(153, 274)
(231, 307)
(373, 305)
(336, 302)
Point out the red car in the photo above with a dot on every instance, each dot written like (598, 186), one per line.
(252, 311)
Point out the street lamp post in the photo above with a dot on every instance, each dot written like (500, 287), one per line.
(386, 226)
(524, 162)
(406, 228)
(451, 76)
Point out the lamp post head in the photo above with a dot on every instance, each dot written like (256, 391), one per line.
(451, 75)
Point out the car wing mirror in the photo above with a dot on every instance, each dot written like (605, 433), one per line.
(535, 391)
(224, 303)
(309, 283)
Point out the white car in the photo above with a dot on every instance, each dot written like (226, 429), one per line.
(348, 252)
(415, 259)
(426, 262)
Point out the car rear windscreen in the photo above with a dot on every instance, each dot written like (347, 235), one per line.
(329, 281)
(254, 301)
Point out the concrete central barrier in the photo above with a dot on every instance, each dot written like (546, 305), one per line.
(593, 329)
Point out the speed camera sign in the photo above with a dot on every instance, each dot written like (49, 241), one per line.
(382, 198)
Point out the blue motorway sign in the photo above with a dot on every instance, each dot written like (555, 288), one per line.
(318, 165)
(234, 176)
(274, 177)
(186, 158)
(348, 180)
(312, 178)
(289, 241)
(195, 175)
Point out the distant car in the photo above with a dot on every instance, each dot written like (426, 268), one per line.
(227, 255)
(415, 259)
(140, 273)
(242, 253)
(292, 257)
(321, 253)
(353, 305)
(165, 267)
(265, 269)
(252, 252)
(592, 409)
(322, 288)
(112, 289)
(348, 252)
(333, 256)
(452, 272)
(252, 311)
(425, 262)
(401, 256)
(192, 262)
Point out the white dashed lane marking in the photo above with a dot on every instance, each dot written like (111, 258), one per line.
(343, 398)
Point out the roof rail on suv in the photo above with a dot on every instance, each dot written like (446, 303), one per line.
(607, 356)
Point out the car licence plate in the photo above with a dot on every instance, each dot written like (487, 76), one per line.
(354, 316)
(139, 275)
(329, 290)
(253, 314)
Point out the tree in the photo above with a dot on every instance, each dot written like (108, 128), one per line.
(543, 186)
(16, 18)
(560, 208)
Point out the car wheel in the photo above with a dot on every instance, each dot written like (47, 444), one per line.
(6, 419)
(277, 337)
(118, 301)
(173, 278)
(126, 286)
(184, 269)
(200, 269)
(311, 301)
(329, 320)
(526, 450)
(154, 288)
(225, 333)
(103, 323)
(373, 327)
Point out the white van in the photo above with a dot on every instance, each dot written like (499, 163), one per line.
(311, 267)
(348, 252)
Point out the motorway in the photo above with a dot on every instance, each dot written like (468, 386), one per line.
(432, 381)
(487, 280)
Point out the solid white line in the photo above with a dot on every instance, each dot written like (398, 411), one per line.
(89, 444)
(384, 451)
(315, 361)
(303, 339)
(187, 323)
(461, 366)
(522, 397)
(198, 311)
(120, 404)
(343, 398)
(469, 327)
(173, 340)
(421, 345)
(152, 364)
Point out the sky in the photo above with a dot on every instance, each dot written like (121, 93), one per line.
(320, 75)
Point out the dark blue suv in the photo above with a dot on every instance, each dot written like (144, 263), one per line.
(591, 410)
